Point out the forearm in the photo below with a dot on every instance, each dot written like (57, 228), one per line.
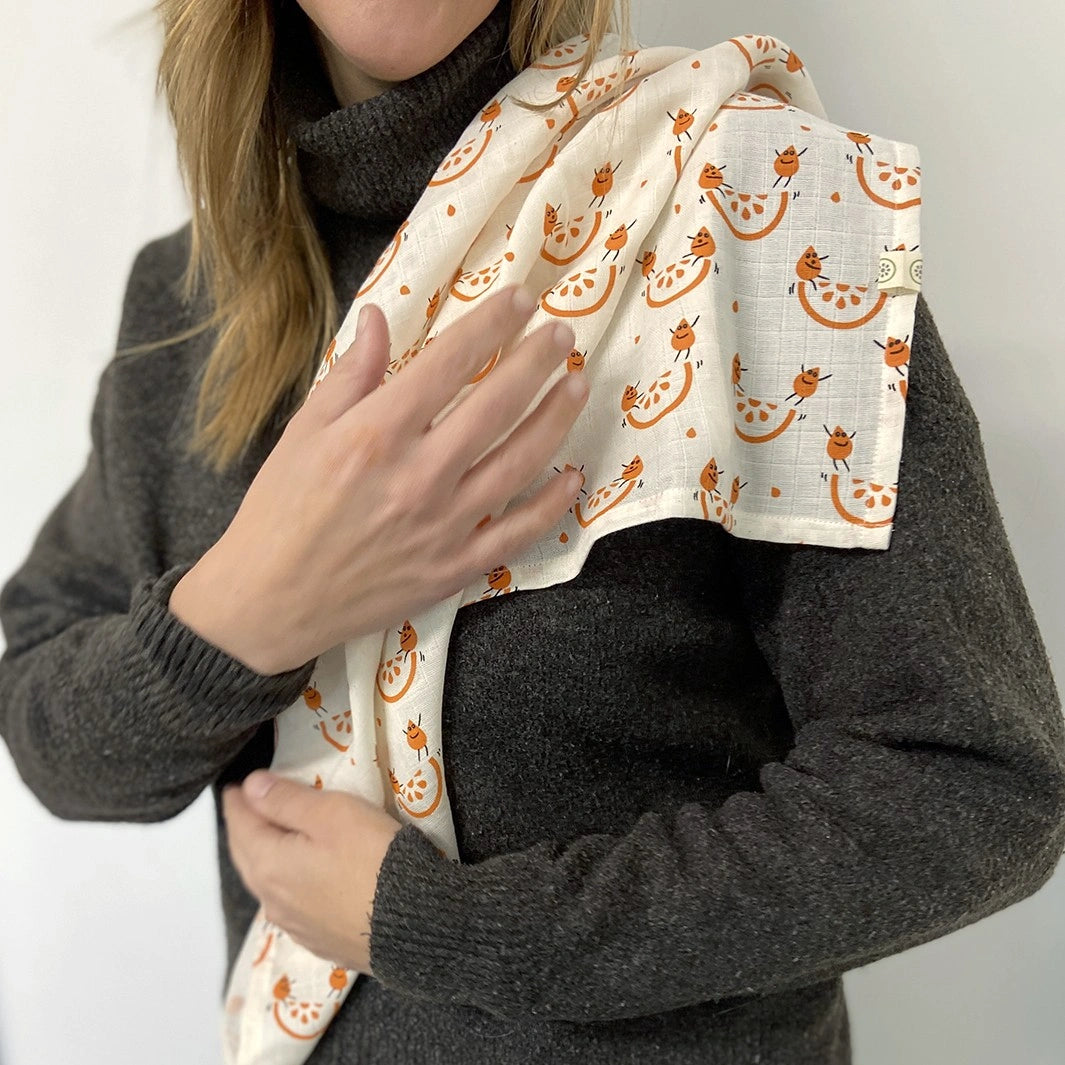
(129, 716)
(773, 890)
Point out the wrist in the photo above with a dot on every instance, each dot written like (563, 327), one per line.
(208, 601)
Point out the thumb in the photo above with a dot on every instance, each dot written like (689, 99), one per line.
(285, 802)
(356, 372)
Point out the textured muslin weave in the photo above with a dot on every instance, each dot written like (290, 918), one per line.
(741, 276)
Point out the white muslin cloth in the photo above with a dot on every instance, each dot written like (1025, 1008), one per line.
(742, 276)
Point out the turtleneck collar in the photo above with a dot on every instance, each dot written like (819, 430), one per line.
(370, 162)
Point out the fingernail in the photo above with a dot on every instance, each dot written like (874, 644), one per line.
(577, 384)
(361, 321)
(563, 336)
(523, 300)
(257, 784)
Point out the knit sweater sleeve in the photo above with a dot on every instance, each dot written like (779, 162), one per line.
(112, 708)
(924, 791)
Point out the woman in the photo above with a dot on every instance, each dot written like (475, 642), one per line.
(789, 761)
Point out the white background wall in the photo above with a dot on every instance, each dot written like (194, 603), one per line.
(110, 935)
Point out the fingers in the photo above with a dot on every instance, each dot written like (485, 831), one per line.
(511, 533)
(505, 470)
(414, 397)
(355, 373)
(286, 803)
(254, 842)
(494, 410)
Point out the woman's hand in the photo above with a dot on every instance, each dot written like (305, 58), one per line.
(366, 513)
(311, 858)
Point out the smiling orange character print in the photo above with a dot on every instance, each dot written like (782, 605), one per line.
(715, 506)
(603, 182)
(896, 355)
(684, 337)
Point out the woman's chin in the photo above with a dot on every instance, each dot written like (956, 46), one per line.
(366, 55)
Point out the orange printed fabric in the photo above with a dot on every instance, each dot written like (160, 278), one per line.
(741, 274)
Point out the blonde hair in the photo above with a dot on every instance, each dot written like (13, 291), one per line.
(253, 244)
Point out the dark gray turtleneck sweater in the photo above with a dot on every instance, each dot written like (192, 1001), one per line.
(715, 774)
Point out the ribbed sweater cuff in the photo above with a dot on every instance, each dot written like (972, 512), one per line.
(203, 673)
(415, 921)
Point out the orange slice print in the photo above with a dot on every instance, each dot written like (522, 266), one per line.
(593, 88)
(413, 795)
(486, 369)
(890, 179)
(868, 504)
(580, 294)
(406, 358)
(674, 281)
(461, 160)
(625, 95)
(337, 730)
(474, 283)
(609, 495)
(850, 306)
(261, 956)
(745, 213)
(384, 261)
(570, 240)
(755, 49)
(664, 394)
(534, 173)
(753, 413)
(303, 1020)
(395, 675)
(565, 55)
(763, 97)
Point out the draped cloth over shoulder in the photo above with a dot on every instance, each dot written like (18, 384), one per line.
(741, 275)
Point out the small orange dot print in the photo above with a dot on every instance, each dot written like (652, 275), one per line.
(690, 433)
(805, 129)
(713, 126)
(451, 210)
(378, 722)
(696, 64)
(774, 492)
(676, 208)
(735, 306)
(636, 341)
(563, 538)
(642, 183)
(835, 197)
(403, 290)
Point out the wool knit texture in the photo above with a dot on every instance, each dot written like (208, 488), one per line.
(786, 761)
